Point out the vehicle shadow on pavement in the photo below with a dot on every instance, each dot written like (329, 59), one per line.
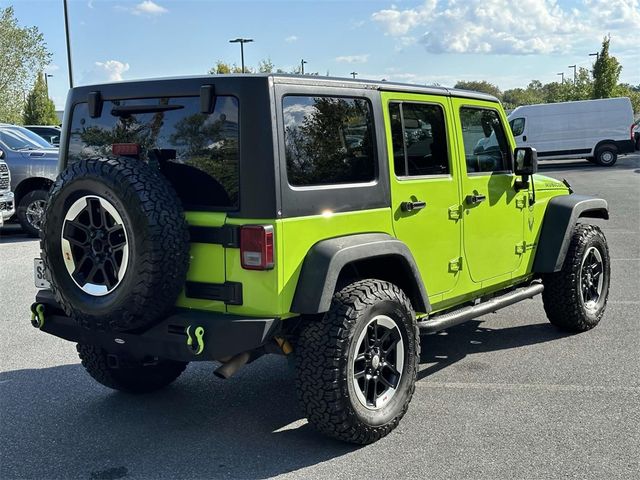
(58, 423)
(12, 233)
(446, 348)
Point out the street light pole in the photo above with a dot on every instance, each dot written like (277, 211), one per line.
(574, 72)
(353, 74)
(241, 41)
(562, 75)
(46, 81)
(302, 62)
(66, 30)
(597, 55)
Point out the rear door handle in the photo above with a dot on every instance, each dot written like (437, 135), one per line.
(411, 206)
(475, 199)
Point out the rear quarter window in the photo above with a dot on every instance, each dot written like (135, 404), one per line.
(198, 153)
(328, 140)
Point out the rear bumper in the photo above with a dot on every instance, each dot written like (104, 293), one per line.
(223, 336)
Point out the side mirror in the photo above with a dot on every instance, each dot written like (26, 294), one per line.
(525, 161)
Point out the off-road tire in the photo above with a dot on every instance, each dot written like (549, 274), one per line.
(131, 376)
(606, 155)
(325, 349)
(158, 243)
(31, 198)
(563, 302)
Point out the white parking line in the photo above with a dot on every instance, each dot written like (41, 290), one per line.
(530, 386)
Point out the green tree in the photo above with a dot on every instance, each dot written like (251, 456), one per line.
(266, 66)
(479, 86)
(606, 72)
(23, 53)
(223, 68)
(39, 109)
(582, 89)
(626, 90)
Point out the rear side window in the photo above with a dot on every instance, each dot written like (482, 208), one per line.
(419, 139)
(197, 152)
(328, 140)
(517, 126)
(485, 143)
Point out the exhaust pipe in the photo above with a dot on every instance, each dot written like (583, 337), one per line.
(228, 368)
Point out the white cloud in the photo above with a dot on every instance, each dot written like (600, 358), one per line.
(108, 71)
(149, 8)
(291, 39)
(506, 27)
(146, 8)
(353, 58)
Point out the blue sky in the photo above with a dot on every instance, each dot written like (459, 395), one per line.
(505, 42)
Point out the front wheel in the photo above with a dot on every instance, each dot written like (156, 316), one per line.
(575, 297)
(30, 211)
(356, 368)
(606, 155)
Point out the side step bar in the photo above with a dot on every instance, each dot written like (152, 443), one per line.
(447, 320)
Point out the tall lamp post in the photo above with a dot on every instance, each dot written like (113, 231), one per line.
(47, 76)
(241, 41)
(66, 31)
(562, 75)
(302, 62)
(574, 72)
(597, 55)
(353, 74)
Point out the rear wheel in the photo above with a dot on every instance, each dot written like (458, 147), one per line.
(116, 244)
(356, 368)
(30, 211)
(606, 155)
(575, 298)
(128, 375)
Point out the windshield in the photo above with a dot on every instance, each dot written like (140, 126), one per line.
(18, 138)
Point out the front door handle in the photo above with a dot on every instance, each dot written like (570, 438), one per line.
(524, 138)
(475, 199)
(411, 206)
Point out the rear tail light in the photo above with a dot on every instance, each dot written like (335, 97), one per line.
(256, 247)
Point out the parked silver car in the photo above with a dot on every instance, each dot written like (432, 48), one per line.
(50, 133)
(7, 205)
(33, 163)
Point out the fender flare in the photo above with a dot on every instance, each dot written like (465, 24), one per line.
(561, 215)
(326, 259)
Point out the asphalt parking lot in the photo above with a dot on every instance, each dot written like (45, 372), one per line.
(502, 397)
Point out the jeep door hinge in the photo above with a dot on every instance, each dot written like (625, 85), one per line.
(455, 265)
(521, 202)
(455, 212)
(523, 246)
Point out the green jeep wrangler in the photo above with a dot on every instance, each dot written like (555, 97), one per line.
(221, 218)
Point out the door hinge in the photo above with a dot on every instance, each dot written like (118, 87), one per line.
(455, 265)
(455, 212)
(521, 202)
(523, 246)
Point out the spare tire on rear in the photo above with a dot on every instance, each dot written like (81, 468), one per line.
(116, 244)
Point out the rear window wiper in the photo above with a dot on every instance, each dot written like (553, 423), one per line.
(127, 110)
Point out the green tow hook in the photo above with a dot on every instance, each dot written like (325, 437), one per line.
(37, 315)
(196, 345)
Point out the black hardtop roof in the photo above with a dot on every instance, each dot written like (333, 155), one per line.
(311, 80)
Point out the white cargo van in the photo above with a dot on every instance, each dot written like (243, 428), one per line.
(598, 130)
